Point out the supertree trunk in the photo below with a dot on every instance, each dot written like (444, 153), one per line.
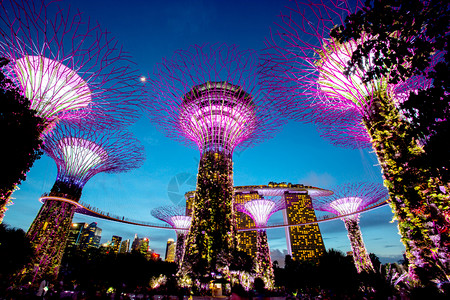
(48, 234)
(419, 201)
(360, 255)
(179, 251)
(263, 262)
(211, 238)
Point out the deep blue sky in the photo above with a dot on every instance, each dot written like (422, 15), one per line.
(151, 30)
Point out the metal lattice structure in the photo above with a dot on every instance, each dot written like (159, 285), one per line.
(176, 217)
(79, 155)
(68, 66)
(305, 63)
(346, 201)
(208, 97)
(260, 211)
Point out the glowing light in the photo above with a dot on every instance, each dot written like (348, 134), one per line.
(181, 222)
(260, 210)
(81, 155)
(347, 205)
(335, 84)
(217, 116)
(51, 87)
(143, 79)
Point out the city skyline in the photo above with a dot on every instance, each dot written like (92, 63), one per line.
(297, 154)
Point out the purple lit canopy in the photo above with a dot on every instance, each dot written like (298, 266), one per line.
(305, 66)
(80, 154)
(208, 96)
(68, 67)
(351, 198)
(260, 210)
(175, 216)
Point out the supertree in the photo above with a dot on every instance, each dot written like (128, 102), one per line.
(79, 154)
(208, 97)
(305, 63)
(176, 217)
(260, 210)
(67, 66)
(347, 200)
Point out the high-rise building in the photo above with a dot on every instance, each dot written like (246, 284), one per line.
(170, 250)
(125, 246)
(75, 233)
(135, 244)
(304, 242)
(115, 243)
(90, 237)
(144, 246)
(246, 239)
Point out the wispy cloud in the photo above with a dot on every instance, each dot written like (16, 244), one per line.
(315, 179)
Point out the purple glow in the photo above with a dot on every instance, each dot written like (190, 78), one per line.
(80, 154)
(352, 197)
(69, 67)
(260, 210)
(217, 115)
(332, 81)
(347, 205)
(181, 223)
(52, 88)
(305, 66)
(215, 103)
(175, 216)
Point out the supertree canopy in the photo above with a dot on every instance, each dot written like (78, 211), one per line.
(79, 154)
(260, 210)
(67, 66)
(175, 216)
(347, 201)
(208, 96)
(305, 65)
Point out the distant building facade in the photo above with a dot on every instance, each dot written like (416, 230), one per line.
(115, 243)
(246, 239)
(303, 242)
(170, 250)
(90, 237)
(75, 233)
(125, 246)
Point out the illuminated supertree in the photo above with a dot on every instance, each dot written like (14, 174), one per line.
(68, 67)
(307, 65)
(208, 97)
(260, 211)
(176, 217)
(347, 200)
(79, 155)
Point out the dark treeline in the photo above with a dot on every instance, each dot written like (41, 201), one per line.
(94, 274)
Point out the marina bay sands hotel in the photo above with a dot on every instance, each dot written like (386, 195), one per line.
(303, 242)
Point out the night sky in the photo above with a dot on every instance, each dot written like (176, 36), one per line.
(151, 30)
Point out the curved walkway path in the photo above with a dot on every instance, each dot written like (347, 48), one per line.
(88, 210)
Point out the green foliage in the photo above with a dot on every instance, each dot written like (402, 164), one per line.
(20, 135)
(410, 38)
(211, 239)
(417, 201)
